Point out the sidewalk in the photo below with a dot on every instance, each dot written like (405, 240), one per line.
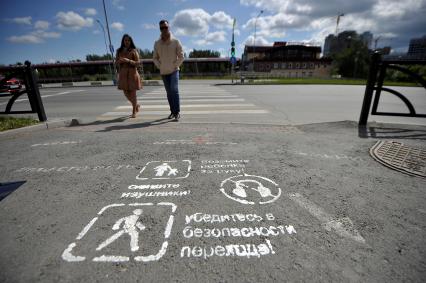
(233, 202)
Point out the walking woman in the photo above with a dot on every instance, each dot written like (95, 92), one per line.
(129, 80)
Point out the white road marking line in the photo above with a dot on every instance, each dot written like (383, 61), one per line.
(198, 100)
(341, 226)
(190, 112)
(48, 95)
(189, 92)
(187, 106)
(144, 97)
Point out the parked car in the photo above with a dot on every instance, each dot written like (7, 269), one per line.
(12, 85)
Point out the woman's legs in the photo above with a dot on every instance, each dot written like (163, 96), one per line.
(131, 96)
(134, 100)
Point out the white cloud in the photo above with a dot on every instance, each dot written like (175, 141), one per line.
(45, 34)
(150, 26)
(260, 41)
(197, 22)
(96, 31)
(72, 21)
(28, 38)
(42, 25)
(274, 26)
(37, 36)
(395, 9)
(21, 20)
(211, 38)
(317, 18)
(90, 12)
(191, 22)
(221, 20)
(117, 26)
(118, 4)
(51, 61)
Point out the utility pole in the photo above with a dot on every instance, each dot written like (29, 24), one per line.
(111, 47)
(106, 48)
(254, 40)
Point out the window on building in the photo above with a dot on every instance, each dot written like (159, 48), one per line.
(304, 66)
(283, 65)
(290, 65)
(297, 66)
(311, 74)
(306, 54)
(291, 53)
(312, 65)
(303, 74)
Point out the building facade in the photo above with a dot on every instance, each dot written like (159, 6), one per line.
(292, 60)
(417, 48)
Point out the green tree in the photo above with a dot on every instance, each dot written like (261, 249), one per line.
(95, 57)
(146, 53)
(352, 61)
(397, 76)
(204, 54)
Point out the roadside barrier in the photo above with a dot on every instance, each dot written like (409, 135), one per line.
(29, 77)
(374, 86)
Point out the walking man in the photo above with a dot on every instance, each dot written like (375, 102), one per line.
(131, 226)
(168, 56)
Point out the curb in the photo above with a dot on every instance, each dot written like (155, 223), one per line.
(42, 126)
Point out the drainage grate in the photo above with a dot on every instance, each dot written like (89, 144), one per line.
(404, 158)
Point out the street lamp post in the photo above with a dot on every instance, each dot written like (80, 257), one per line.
(106, 47)
(254, 39)
(111, 47)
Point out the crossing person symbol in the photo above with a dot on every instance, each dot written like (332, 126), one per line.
(163, 168)
(250, 189)
(131, 227)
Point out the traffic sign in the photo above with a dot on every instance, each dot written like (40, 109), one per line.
(233, 60)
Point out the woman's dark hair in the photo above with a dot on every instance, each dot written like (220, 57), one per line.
(132, 45)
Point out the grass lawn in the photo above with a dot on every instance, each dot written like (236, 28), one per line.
(8, 123)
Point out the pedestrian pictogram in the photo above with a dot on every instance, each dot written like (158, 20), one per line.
(250, 189)
(131, 226)
(165, 170)
(123, 232)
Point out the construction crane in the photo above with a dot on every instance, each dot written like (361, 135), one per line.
(337, 22)
(376, 40)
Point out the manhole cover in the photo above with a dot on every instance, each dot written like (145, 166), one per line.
(404, 158)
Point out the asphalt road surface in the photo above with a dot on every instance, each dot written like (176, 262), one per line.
(204, 102)
(254, 184)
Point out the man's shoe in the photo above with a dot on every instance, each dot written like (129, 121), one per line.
(177, 117)
(171, 116)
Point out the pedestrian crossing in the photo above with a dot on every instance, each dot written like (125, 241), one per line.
(196, 101)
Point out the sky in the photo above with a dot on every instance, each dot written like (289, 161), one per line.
(44, 31)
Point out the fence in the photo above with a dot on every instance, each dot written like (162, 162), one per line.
(374, 86)
(27, 74)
